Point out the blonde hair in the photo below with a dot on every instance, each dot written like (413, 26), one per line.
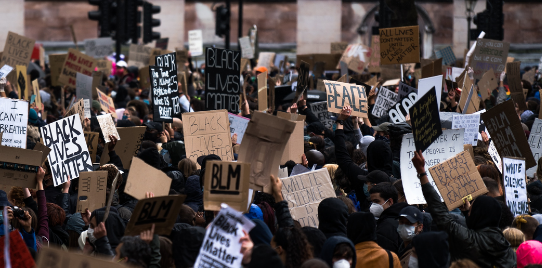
(514, 236)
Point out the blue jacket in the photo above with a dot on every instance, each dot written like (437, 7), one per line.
(29, 238)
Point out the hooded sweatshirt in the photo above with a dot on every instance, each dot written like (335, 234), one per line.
(529, 252)
(379, 157)
(187, 242)
(386, 228)
(432, 249)
(329, 248)
(194, 195)
(332, 217)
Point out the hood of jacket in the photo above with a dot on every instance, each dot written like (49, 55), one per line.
(114, 225)
(187, 240)
(485, 212)
(379, 157)
(194, 195)
(260, 234)
(332, 217)
(361, 227)
(432, 249)
(329, 248)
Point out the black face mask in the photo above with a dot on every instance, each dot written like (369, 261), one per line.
(150, 136)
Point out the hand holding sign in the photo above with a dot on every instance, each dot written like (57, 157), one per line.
(276, 186)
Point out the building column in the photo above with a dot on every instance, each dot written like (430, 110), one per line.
(460, 25)
(11, 19)
(171, 18)
(318, 25)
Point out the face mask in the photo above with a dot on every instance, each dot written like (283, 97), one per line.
(137, 97)
(150, 136)
(377, 209)
(147, 102)
(113, 94)
(202, 71)
(342, 263)
(124, 117)
(406, 232)
(366, 190)
(90, 235)
(413, 262)
(381, 138)
(409, 77)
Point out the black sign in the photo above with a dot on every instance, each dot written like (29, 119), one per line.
(425, 120)
(165, 98)
(222, 83)
(405, 89)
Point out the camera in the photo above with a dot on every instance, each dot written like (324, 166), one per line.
(18, 213)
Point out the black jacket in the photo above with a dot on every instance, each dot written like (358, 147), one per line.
(486, 246)
(282, 212)
(386, 228)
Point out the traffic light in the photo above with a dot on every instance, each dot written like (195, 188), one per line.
(148, 22)
(102, 16)
(118, 21)
(133, 19)
(490, 21)
(222, 21)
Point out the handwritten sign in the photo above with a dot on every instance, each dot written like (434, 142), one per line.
(319, 109)
(226, 182)
(384, 101)
(106, 103)
(504, 126)
(223, 88)
(488, 82)
(304, 193)
(6, 69)
(104, 66)
(17, 51)
(92, 144)
(374, 60)
(405, 89)
(13, 122)
(139, 55)
(425, 120)
(457, 178)
(83, 90)
(165, 97)
(207, 133)
(535, 143)
(399, 45)
(195, 43)
(246, 48)
(99, 48)
(401, 109)
(91, 191)
(515, 185)
(238, 125)
(76, 62)
(108, 127)
(343, 94)
(127, 147)
(266, 59)
(77, 108)
(471, 124)
(69, 153)
(160, 211)
(489, 54)
(492, 151)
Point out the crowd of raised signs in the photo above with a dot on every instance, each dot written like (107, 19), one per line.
(428, 170)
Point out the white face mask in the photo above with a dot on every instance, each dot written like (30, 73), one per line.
(406, 232)
(90, 235)
(412, 262)
(342, 263)
(377, 209)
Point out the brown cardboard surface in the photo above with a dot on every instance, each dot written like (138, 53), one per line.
(157, 52)
(55, 64)
(331, 60)
(341, 79)
(470, 149)
(207, 133)
(106, 103)
(262, 91)
(43, 149)
(488, 81)
(22, 82)
(342, 94)
(96, 82)
(104, 66)
(14, 155)
(50, 257)
(304, 193)
(338, 47)
(374, 60)
(529, 76)
(399, 45)
(504, 126)
(290, 116)
(77, 108)
(144, 78)
(514, 83)
(457, 178)
(92, 190)
(160, 211)
(139, 55)
(388, 72)
(76, 62)
(128, 145)
(145, 178)
(356, 57)
(17, 51)
(294, 147)
(269, 135)
(474, 104)
(226, 182)
(489, 54)
(92, 145)
(36, 91)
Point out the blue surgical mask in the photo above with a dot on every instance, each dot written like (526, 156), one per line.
(366, 190)
(147, 102)
(202, 71)
(137, 97)
(124, 117)
(409, 77)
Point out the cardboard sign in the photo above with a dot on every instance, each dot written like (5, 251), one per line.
(138, 180)
(97, 77)
(50, 257)
(266, 59)
(144, 78)
(262, 91)
(425, 119)
(247, 51)
(44, 149)
(304, 193)
(535, 139)
(182, 58)
(294, 147)
(470, 123)
(108, 127)
(342, 94)
(319, 109)
(36, 92)
(504, 126)
(92, 144)
(5, 70)
(164, 94)
(207, 133)
(226, 182)
(230, 225)
(492, 151)
(447, 55)
(155, 52)
(92, 190)
(69, 153)
(195, 43)
(384, 101)
(13, 122)
(106, 103)
(457, 178)
(104, 66)
(238, 125)
(529, 76)
(99, 48)
(77, 108)
(489, 54)
(56, 62)
(127, 147)
(83, 90)
(338, 47)
(76, 62)
(355, 56)
(399, 45)
(374, 60)
(161, 211)
(20, 166)
(269, 134)
(139, 55)
(17, 51)
(488, 82)
(514, 83)
(432, 69)
(515, 185)
(222, 80)
(290, 116)
(405, 89)
(19, 255)
(22, 82)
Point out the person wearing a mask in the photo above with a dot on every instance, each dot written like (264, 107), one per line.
(386, 210)
(381, 132)
(410, 225)
(339, 252)
(153, 132)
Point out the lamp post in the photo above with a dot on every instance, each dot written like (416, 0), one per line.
(469, 7)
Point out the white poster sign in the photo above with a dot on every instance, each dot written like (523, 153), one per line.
(492, 150)
(448, 144)
(6, 69)
(69, 153)
(469, 122)
(195, 43)
(384, 101)
(247, 51)
(99, 48)
(13, 122)
(319, 109)
(238, 125)
(535, 142)
(515, 185)
(425, 84)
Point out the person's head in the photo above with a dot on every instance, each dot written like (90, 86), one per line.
(187, 167)
(16, 196)
(492, 187)
(112, 171)
(382, 130)
(430, 249)
(122, 68)
(316, 129)
(358, 157)
(373, 178)
(484, 212)
(398, 184)
(56, 215)
(187, 215)
(292, 246)
(348, 202)
(315, 157)
(317, 143)
(177, 125)
(383, 196)
(361, 227)
(332, 216)
(339, 251)
(133, 251)
(33, 223)
(166, 253)
(316, 238)
(529, 252)
(410, 223)
(526, 224)
(514, 236)
(492, 172)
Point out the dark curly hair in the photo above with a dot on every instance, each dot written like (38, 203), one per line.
(56, 214)
(295, 244)
(358, 157)
(137, 252)
(16, 196)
